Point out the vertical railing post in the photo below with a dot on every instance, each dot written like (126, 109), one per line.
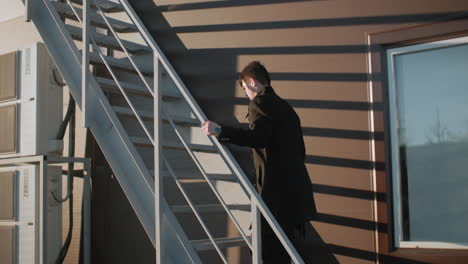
(158, 186)
(256, 234)
(43, 196)
(27, 5)
(87, 213)
(85, 63)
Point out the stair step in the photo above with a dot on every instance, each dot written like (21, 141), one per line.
(106, 6)
(145, 142)
(209, 208)
(200, 178)
(117, 63)
(95, 19)
(189, 177)
(205, 244)
(146, 115)
(108, 41)
(110, 86)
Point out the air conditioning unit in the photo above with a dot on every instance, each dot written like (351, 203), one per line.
(30, 217)
(30, 103)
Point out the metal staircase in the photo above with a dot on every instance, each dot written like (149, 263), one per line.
(148, 126)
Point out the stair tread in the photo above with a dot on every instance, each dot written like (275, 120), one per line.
(211, 208)
(94, 18)
(199, 178)
(144, 141)
(108, 41)
(111, 86)
(205, 244)
(106, 6)
(191, 176)
(123, 63)
(126, 111)
(194, 147)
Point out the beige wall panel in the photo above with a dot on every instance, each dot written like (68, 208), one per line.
(21, 34)
(304, 10)
(378, 121)
(321, 90)
(351, 260)
(344, 206)
(381, 181)
(290, 37)
(307, 63)
(379, 150)
(336, 119)
(382, 211)
(377, 92)
(338, 147)
(339, 176)
(345, 236)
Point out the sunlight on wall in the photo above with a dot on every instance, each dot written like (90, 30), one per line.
(10, 9)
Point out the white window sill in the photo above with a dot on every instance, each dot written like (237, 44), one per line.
(432, 245)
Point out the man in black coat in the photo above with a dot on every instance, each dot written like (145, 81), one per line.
(275, 136)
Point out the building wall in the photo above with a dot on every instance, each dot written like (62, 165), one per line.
(11, 9)
(316, 52)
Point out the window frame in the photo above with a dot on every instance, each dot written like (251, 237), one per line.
(447, 27)
(393, 118)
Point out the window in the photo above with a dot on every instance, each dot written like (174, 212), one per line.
(428, 112)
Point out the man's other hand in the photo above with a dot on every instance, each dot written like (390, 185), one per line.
(209, 128)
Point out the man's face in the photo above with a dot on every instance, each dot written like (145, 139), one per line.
(249, 89)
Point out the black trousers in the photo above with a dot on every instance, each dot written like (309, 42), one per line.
(304, 238)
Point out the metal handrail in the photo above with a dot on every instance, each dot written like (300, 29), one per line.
(227, 156)
(197, 215)
(85, 61)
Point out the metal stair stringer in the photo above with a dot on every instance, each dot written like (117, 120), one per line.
(127, 165)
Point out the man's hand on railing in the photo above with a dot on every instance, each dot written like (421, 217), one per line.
(211, 128)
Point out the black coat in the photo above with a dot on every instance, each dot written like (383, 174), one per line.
(275, 136)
